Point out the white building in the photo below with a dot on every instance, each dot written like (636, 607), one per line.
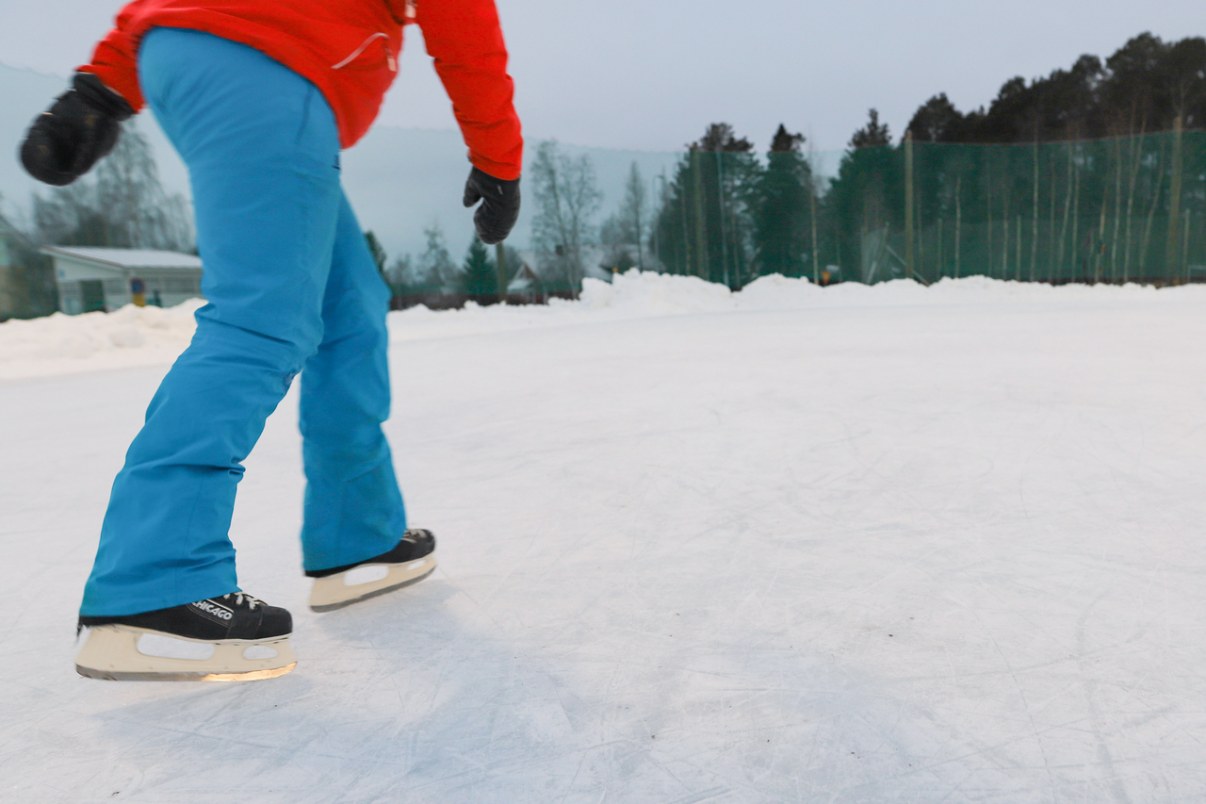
(93, 278)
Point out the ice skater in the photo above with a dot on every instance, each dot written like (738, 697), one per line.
(259, 98)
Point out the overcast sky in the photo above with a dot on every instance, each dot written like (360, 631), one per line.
(651, 74)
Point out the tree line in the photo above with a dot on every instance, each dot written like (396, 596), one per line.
(1096, 173)
(1092, 173)
(436, 279)
(1143, 88)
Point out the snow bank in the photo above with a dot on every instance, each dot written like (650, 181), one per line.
(148, 336)
(649, 295)
(63, 344)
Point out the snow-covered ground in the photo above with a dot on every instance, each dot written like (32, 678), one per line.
(852, 544)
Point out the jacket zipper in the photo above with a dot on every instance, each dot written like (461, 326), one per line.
(355, 54)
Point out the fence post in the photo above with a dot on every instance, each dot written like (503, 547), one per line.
(500, 262)
(704, 256)
(908, 148)
(1174, 205)
(1185, 251)
(812, 213)
(958, 221)
(1034, 229)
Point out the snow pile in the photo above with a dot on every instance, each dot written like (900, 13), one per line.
(640, 295)
(150, 336)
(61, 344)
(629, 296)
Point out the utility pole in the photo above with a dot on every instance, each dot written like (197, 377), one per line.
(1173, 251)
(909, 214)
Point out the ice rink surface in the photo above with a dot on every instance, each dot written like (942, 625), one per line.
(853, 544)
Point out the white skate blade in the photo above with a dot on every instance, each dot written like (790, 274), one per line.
(367, 580)
(127, 653)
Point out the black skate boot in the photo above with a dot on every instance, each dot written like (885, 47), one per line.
(234, 637)
(412, 560)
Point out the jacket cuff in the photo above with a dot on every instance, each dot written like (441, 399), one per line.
(125, 88)
(94, 91)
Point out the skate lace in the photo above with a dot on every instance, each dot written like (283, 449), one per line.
(241, 597)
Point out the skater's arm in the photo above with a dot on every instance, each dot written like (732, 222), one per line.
(115, 60)
(465, 40)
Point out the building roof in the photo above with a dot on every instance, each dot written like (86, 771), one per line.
(524, 278)
(126, 257)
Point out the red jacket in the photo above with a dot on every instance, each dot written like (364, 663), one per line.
(349, 50)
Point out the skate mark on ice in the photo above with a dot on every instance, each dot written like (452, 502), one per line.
(1089, 686)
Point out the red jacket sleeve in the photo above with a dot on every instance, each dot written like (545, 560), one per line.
(115, 61)
(465, 40)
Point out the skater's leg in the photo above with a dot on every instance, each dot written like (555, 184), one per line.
(353, 508)
(261, 147)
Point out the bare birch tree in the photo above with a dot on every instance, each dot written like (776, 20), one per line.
(124, 206)
(567, 198)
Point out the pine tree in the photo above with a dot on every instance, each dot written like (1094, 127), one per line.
(567, 197)
(436, 274)
(399, 276)
(783, 209)
(377, 251)
(862, 202)
(481, 275)
(705, 226)
(873, 135)
(937, 121)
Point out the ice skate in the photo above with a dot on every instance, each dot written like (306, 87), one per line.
(412, 560)
(235, 637)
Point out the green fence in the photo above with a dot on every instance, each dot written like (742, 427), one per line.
(1116, 210)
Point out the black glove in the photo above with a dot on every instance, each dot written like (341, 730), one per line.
(500, 205)
(75, 132)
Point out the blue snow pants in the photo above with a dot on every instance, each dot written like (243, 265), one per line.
(291, 288)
